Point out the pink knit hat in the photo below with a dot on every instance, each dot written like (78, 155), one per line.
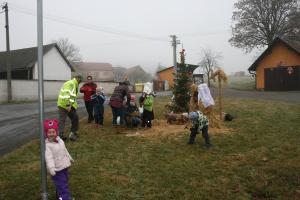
(50, 124)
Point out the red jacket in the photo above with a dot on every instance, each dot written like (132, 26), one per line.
(88, 89)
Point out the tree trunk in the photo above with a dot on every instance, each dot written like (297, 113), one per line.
(208, 80)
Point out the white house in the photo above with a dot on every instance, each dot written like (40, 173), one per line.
(24, 71)
(23, 64)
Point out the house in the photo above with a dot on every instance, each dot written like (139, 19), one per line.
(102, 74)
(167, 74)
(99, 71)
(24, 66)
(278, 67)
(240, 73)
(137, 74)
(134, 74)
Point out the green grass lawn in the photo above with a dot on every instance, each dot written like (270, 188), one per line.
(239, 83)
(259, 159)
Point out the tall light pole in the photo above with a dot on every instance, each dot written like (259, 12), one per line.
(174, 44)
(41, 97)
(8, 57)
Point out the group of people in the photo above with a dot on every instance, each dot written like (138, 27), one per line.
(94, 99)
(125, 110)
(125, 113)
(67, 104)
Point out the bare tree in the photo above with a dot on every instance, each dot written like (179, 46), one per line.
(71, 52)
(256, 23)
(209, 62)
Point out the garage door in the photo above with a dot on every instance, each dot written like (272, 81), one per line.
(282, 78)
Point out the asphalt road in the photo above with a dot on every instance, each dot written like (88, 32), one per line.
(19, 123)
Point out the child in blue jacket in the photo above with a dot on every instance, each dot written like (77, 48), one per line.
(98, 100)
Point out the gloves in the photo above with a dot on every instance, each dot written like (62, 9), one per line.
(52, 172)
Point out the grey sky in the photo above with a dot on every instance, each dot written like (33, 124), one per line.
(198, 24)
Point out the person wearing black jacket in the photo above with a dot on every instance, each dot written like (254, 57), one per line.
(98, 100)
(121, 92)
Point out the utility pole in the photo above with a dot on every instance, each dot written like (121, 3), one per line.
(174, 44)
(44, 193)
(8, 66)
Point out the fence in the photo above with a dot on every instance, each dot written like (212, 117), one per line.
(27, 90)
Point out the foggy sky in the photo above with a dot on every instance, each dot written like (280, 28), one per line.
(130, 32)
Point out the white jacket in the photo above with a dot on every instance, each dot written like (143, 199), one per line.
(57, 156)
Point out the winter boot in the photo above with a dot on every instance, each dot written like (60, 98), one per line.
(73, 136)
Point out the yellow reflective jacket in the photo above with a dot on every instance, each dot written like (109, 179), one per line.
(68, 94)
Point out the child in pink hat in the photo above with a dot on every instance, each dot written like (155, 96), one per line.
(58, 159)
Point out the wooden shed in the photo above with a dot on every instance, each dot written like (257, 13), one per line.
(278, 67)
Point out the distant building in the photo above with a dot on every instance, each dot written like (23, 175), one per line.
(134, 74)
(168, 74)
(99, 71)
(241, 73)
(24, 66)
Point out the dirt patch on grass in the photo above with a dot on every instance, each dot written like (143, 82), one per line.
(161, 129)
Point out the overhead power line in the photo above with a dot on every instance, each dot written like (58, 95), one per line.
(80, 24)
(199, 34)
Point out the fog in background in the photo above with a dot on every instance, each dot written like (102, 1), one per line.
(130, 32)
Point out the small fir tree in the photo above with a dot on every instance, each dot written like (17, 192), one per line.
(181, 89)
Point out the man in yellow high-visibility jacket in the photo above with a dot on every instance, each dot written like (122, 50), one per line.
(67, 106)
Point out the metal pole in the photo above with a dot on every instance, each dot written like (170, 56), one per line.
(8, 66)
(174, 43)
(41, 97)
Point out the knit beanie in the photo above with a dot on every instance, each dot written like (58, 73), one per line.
(50, 124)
(193, 116)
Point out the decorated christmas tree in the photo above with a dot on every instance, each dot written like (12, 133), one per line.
(181, 89)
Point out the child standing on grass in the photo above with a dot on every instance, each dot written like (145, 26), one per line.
(146, 101)
(58, 159)
(199, 123)
(98, 100)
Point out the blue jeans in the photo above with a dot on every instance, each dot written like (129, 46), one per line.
(98, 113)
(117, 112)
